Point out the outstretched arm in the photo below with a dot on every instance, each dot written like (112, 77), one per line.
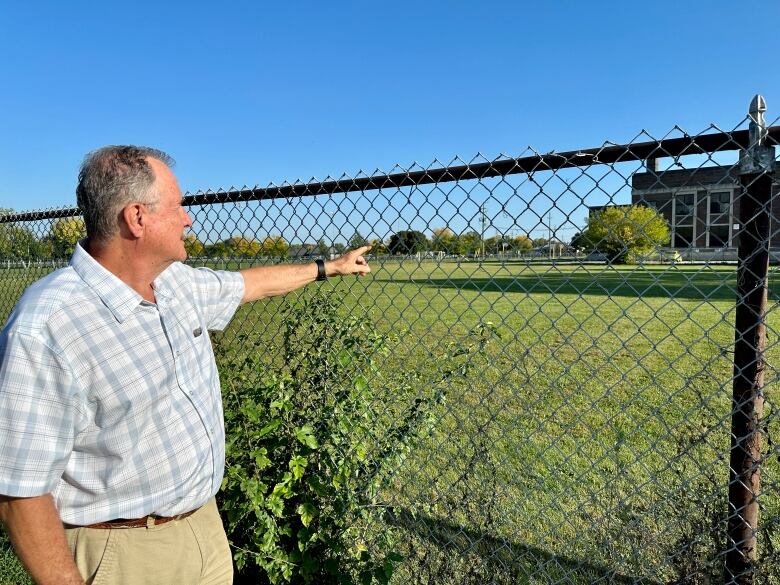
(261, 282)
(39, 539)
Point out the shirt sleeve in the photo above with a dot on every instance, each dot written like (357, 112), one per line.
(38, 413)
(219, 293)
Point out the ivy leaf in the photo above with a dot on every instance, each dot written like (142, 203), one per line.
(278, 404)
(261, 458)
(298, 465)
(305, 435)
(360, 384)
(269, 428)
(345, 358)
(283, 487)
(316, 485)
(307, 512)
(275, 504)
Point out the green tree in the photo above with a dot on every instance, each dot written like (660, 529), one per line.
(357, 241)
(322, 248)
(407, 242)
(378, 247)
(18, 243)
(217, 250)
(580, 241)
(65, 233)
(497, 244)
(340, 248)
(625, 232)
(471, 242)
(445, 240)
(522, 244)
(193, 245)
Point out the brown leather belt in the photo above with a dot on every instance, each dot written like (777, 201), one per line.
(145, 522)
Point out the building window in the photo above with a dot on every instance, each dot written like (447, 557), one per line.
(719, 236)
(683, 237)
(719, 219)
(683, 211)
(682, 229)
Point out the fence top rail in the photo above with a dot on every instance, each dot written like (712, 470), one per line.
(607, 154)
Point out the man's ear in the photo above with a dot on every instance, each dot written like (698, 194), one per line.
(134, 217)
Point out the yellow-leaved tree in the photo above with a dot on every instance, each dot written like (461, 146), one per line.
(624, 232)
(65, 234)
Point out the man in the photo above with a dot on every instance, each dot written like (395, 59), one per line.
(111, 427)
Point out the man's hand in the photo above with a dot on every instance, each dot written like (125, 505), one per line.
(353, 262)
(39, 539)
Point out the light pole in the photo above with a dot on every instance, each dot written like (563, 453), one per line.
(482, 234)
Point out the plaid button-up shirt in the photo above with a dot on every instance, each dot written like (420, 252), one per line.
(110, 403)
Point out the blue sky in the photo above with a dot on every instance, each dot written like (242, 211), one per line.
(251, 92)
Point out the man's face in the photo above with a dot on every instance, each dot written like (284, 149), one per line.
(169, 219)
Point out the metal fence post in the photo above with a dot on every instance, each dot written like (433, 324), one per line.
(755, 169)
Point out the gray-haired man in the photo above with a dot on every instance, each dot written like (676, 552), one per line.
(111, 429)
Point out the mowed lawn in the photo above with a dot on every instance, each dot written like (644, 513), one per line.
(591, 439)
(589, 442)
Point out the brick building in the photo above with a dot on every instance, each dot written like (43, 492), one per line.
(701, 205)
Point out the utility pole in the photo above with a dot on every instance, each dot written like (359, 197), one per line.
(482, 234)
(549, 234)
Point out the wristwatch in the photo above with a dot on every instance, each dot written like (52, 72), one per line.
(321, 275)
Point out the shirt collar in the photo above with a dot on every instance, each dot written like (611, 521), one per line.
(162, 288)
(117, 296)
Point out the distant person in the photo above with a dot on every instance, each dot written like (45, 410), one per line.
(112, 441)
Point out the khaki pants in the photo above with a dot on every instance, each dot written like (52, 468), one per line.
(183, 552)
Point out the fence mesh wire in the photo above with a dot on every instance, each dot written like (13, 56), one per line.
(583, 435)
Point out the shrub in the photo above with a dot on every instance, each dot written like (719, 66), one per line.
(310, 443)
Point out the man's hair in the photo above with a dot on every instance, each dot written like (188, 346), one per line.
(111, 178)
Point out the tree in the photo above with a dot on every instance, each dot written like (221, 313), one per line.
(322, 248)
(193, 246)
(378, 247)
(357, 241)
(471, 242)
(65, 233)
(497, 244)
(217, 250)
(580, 241)
(18, 243)
(339, 247)
(276, 247)
(241, 247)
(445, 240)
(625, 232)
(522, 244)
(407, 242)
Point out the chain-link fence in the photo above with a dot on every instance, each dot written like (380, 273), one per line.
(545, 380)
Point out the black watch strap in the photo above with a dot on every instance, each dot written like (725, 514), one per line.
(321, 275)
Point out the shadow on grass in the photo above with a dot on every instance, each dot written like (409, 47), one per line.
(504, 558)
(712, 287)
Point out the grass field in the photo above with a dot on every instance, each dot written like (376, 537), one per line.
(591, 440)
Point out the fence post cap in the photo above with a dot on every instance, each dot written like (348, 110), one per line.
(757, 157)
